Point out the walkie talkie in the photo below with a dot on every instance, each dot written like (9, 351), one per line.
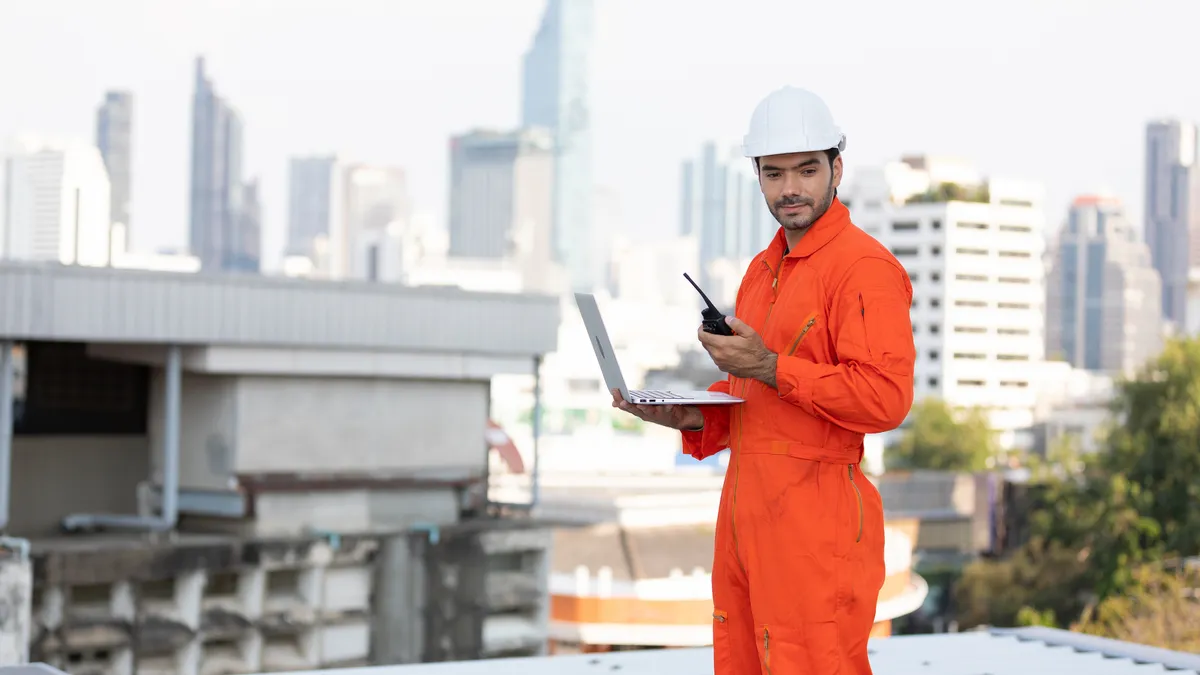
(714, 320)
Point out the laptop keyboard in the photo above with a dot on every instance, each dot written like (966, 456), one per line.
(657, 395)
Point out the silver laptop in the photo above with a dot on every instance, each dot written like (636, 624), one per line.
(612, 372)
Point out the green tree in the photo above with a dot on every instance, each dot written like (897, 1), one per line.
(1038, 583)
(1159, 609)
(934, 439)
(1156, 446)
(1119, 514)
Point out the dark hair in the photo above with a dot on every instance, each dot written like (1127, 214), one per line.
(831, 154)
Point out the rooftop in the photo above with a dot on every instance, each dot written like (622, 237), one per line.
(42, 301)
(1023, 651)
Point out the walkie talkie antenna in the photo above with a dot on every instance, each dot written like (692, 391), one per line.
(706, 300)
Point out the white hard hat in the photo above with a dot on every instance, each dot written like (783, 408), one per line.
(791, 120)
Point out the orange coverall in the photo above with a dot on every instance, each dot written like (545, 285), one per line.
(798, 563)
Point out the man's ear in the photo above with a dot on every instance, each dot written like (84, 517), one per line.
(837, 171)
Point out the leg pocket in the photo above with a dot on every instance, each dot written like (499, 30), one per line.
(722, 651)
(812, 650)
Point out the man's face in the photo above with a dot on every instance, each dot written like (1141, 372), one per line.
(799, 186)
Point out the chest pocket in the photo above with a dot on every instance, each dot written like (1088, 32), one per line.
(800, 319)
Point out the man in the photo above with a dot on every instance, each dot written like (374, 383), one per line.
(822, 354)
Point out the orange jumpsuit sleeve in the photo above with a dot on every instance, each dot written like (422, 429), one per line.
(870, 390)
(714, 437)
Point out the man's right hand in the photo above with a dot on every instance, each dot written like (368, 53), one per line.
(681, 417)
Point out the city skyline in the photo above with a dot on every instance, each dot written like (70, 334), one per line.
(1032, 144)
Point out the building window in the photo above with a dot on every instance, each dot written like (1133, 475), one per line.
(913, 277)
(936, 250)
(977, 330)
(936, 276)
(971, 356)
(935, 303)
(934, 329)
(905, 251)
(970, 383)
(1014, 305)
(1012, 357)
(970, 303)
(1013, 331)
(971, 226)
(971, 251)
(1024, 203)
(915, 303)
(971, 277)
(905, 227)
(1014, 280)
(933, 355)
(1016, 228)
(1019, 384)
(937, 224)
(68, 392)
(1014, 254)
(933, 382)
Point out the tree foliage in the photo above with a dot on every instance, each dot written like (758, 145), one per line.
(1160, 609)
(952, 192)
(1107, 523)
(935, 440)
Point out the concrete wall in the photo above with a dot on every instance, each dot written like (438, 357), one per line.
(264, 424)
(53, 476)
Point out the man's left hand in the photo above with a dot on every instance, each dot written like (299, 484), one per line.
(742, 354)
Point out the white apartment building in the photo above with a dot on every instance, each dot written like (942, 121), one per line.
(974, 250)
(55, 202)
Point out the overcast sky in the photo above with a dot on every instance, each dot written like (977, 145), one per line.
(1051, 90)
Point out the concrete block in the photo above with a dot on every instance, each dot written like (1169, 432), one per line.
(345, 642)
(16, 608)
(347, 589)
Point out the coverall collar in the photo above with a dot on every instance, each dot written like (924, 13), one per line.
(829, 225)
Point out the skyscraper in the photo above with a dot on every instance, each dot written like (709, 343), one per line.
(311, 202)
(57, 207)
(722, 206)
(370, 202)
(1104, 299)
(217, 192)
(1172, 209)
(501, 184)
(114, 138)
(556, 96)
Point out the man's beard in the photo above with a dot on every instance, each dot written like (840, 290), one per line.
(801, 222)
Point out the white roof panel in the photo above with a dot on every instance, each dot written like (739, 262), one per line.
(1027, 651)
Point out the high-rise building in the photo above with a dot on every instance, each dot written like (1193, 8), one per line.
(114, 138)
(217, 189)
(501, 189)
(556, 95)
(57, 203)
(246, 252)
(1104, 300)
(722, 206)
(1172, 225)
(312, 195)
(372, 200)
(342, 215)
(973, 249)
